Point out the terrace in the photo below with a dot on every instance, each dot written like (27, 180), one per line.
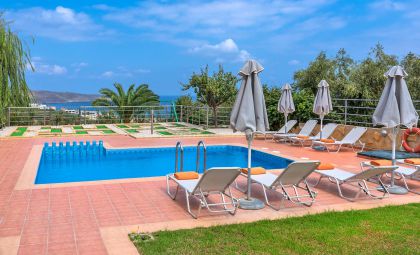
(96, 216)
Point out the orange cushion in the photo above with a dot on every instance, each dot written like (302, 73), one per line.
(325, 166)
(381, 162)
(254, 170)
(325, 140)
(414, 161)
(186, 175)
(303, 137)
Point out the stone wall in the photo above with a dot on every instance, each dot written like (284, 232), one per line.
(372, 138)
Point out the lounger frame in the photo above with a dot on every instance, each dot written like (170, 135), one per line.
(298, 183)
(358, 180)
(350, 139)
(229, 202)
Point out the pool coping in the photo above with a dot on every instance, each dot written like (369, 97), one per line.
(27, 177)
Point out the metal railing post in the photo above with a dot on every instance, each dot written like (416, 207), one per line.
(8, 116)
(345, 111)
(151, 121)
(181, 115)
(207, 117)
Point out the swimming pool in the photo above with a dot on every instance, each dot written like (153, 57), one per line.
(90, 161)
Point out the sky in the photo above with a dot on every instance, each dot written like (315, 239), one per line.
(85, 45)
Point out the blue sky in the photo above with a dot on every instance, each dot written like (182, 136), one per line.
(83, 46)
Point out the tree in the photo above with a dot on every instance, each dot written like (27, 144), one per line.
(215, 90)
(125, 101)
(14, 60)
(184, 100)
(272, 96)
(411, 64)
(322, 68)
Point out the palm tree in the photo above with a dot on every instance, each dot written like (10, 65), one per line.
(125, 101)
(14, 60)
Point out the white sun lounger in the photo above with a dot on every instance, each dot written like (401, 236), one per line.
(290, 125)
(293, 177)
(327, 131)
(340, 177)
(213, 181)
(402, 172)
(306, 131)
(350, 139)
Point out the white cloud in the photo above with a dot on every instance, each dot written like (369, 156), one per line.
(40, 67)
(61, 23)
(294, 62)
(388, 5)
(122, 71)
(216, 18)
(227, 48)
(79, 66)
(107, 74)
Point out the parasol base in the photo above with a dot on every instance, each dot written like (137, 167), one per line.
(394, 189)
(251, 204)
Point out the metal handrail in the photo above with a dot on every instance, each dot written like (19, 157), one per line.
(179, 147)
(197, 162)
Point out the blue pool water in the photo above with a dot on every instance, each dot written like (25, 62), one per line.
(90, 161)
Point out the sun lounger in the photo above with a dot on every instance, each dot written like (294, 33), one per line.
(341, 177)
(305, 131)
(213, 181)
(327, 131)
(402, 172)
(292, 178)
(290, 125)
(350, 139)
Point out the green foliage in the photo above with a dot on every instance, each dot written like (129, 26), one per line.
(184, 100)
(14, 59)
(411, 63)
(384, 230)
(125, 100)
(272, 96)
(303, 100)
(215, 90)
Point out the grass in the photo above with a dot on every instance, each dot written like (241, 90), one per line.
(386, 230)
(195, 130)
(81, 132)
(165, 133)
(107, 131)
(159, 128)
(45, 127)
(135, 125)
(131, 131)
(207, 133)
(56, 130)
(78, 127)
(178, 125)
(19, 131)
(101, 127)
(122, 126)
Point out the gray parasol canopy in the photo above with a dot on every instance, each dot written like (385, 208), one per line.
(286, 105)
(395, 107)
(322, 102)
(249, 115)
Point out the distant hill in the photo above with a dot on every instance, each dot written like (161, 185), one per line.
(45, 97)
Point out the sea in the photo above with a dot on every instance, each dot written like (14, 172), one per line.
(76, 105)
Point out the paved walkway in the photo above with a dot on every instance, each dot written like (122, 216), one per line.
(95, 219)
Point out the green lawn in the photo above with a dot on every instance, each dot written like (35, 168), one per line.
(19, 131)
(207, 133)
(159, 128)
(107, 131)
(131, 130)
(101, 127)
(122, 126)
(386, 230)
(56, 130)
(165, 133)
(81, 132)
(78, 127)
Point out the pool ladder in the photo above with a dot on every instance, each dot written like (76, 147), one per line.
(179, 152)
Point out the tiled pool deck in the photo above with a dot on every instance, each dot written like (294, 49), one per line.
(95, 218)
